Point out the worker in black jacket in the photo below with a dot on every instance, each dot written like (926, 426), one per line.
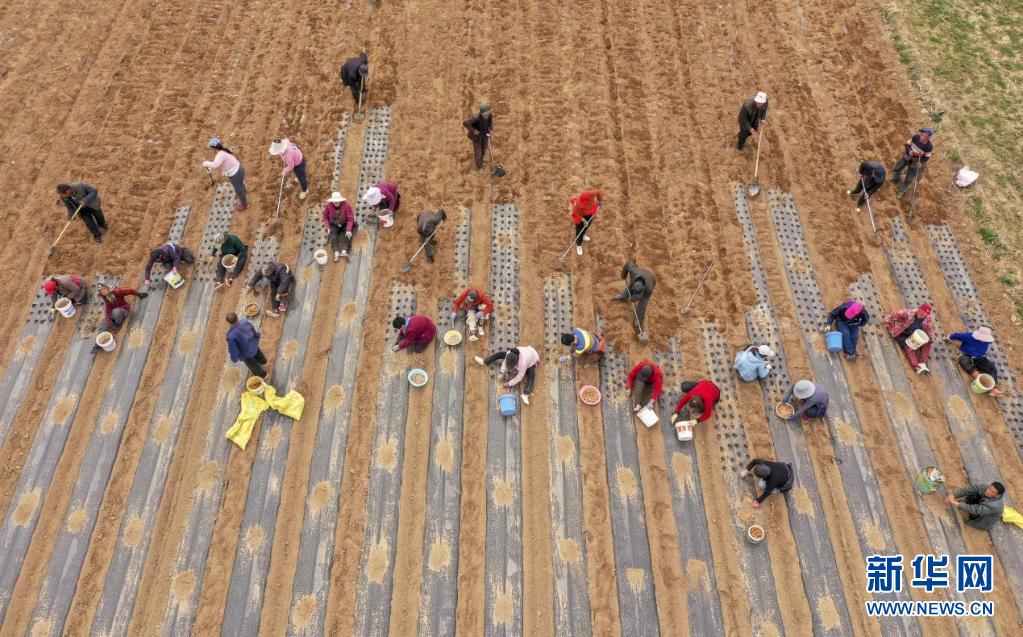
(772, 476)
(752, 112)
(354, 74)
(279, 279)
(640, 288)
(84, 199)
(479, 127)
(871, 176)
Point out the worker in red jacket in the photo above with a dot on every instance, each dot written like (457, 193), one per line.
(645, 381)
(115, 308)
(584, 208)
(474, 304)
(414, 331)
(701, 397)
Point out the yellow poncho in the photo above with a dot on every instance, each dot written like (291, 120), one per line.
(253, 406)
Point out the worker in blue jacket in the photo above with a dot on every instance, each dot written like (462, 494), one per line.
(243, 345)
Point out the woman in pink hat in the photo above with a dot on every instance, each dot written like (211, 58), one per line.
(973, 348)
(848, 318)
(902, 324)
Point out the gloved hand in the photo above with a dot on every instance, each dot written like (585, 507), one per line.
(636, 408)
(480, 316)
(148, 281)
(752, 131)
(768, 367)
(479, 359)
(143, 295)
(744, 474)
(53, 310)
(453, 317)
(348, 235)
(394, 348)
(674, 417)
(756, 505)
(284, 171)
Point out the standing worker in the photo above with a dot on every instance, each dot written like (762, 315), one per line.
(339, 218)
(751, 362)
(171, 255)
(474, 304)
(230, 167)
(480, 126)
(243, 345)
(415, 332)
(812, 401)
(584, 208)
(973, 348)
(523, 360)
(354, 73)
(903, 324)
(278, 277)
(386, 199)
(646, 381)
(771, 476)
(639, 289)
(751, 114)
(228, 244)
(68, 286)
(294, 161)
(871, 174)
(848, 318)
(426, 225)
(115, 308)
(87, 197)
(915, 154)
(982, 503)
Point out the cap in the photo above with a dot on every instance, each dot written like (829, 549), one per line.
(373, 196)
(214, 143)
(983, 334)
(804, 389)
(761, 98)
(335, 197)
(926, 131)
(925, 308)
(50, 286)
(218, 238)
(278, 146)
(853, 310)
(473, 295)
(765, 351)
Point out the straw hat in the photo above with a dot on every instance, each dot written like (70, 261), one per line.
(278, 146)
(335, 197)
(761, 98)
(984, 335)
(373, 196)
(804, 389)
(765, 351)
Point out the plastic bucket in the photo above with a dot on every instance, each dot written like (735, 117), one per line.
(65, 307)
(917, 340)
(833, 341)
(255, 385)
(508, 404)
(755, 533)
(981, 384)
(174, 279)
(230, 261)
(320, 256)
(106, 341)
(647, 416)
(684, 430)
(929, 480)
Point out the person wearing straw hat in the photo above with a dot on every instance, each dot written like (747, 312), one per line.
(904, 324)
(226, 243)
(68, 286)
(973, 347)
(339, 218)
(294, 162)
(811, 400)
(751, 362)
(386, 199)
(474, 304)
(752, 112)
(115, 308)
(584, 208)
(915, 155)
(354, 74)
(415, 332)
(84, 199)
(870, 174)
(280, 280)
(771, 476)
(230, 167)
(479, 127)
(848, 318)
(243, 345)
(701, 397)
(645, 382)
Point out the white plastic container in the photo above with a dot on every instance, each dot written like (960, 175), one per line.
(255, 385)
(647, 416)
(230, 262)
(320, 256)
(106, 341)
(684, 430)
(65, 307)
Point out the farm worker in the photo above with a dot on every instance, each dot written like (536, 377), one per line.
(871, 174)
(243, 345)
(584, 208)
(474, 304)
(751, 114)
(69, 286)
(902, 324)
(294, 162)
(524, 360)
(645, 380)
(354, 73)
(170, 255)
(811, 400)
(227, 244)
(86, 196)
(339, 218)
(230, 167)
(751, 363)
(771, 476)
(916, 153)
(386, 199)
(640, 287)
(973, 346)
(701, 396)
(280, 281)
(414, 331)
(982, 504)
(848, 318)
(115, 308)
(479, 126)
(583, 342)
(427, 224)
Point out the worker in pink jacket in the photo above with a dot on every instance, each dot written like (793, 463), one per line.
(294, 162)
(386, 199)
(414, 331)
(339, 218)
(524, 360)
(230, 167)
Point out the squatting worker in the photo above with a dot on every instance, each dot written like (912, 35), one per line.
(771, 476)
(115, 308)
(385, 197)
(230, 167)
(480, 126)
(645, 382)
(523, 360)
(973, 359)
(415, 332)
(751, 114)
(243, 345)
(84, 199)
(279, 279)
(339, 218)
(354, 74)
(68, 286)
(982, 503)
(227, 244)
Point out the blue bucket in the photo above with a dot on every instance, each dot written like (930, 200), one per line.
(833, 340)
(509, 404)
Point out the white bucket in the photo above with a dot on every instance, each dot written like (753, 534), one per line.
(65, 307)
(684, 430)
(230, 261)
(106, 341)
(174, 279)
(647, 416)
(320, 256)
(255, 385)
(917, 339)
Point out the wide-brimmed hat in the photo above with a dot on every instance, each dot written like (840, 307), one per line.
(983, 334)
(853, 310)
(278, 146)
(373, 196)
(804, 389)
(761, 97)
(335, 197)
(765, 351)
